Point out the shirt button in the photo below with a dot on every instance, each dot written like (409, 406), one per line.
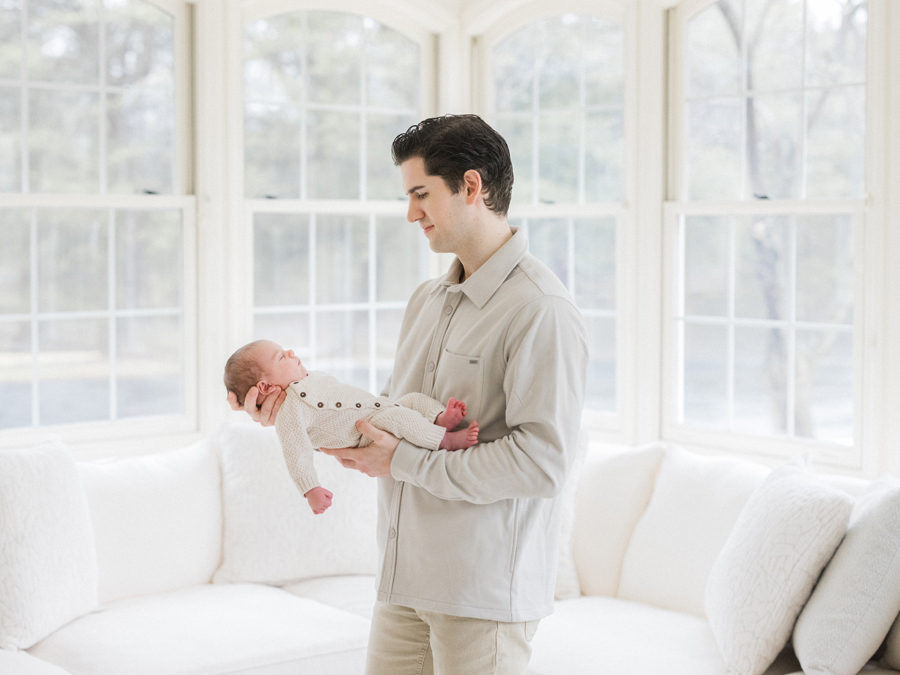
(449, 311)
(392, 533)
(431, 367)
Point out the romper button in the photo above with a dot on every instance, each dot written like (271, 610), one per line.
(302, 393)
(377, 405)
(338, 404)
(321, 404)
(359, 405)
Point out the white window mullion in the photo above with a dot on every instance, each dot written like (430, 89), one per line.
(24, 107)
(313, 346)
(373, 315)
(112, 320)
(791, 337)
(732, 277)
(35, 332)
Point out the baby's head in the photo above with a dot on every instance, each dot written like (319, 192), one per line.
(262, 364)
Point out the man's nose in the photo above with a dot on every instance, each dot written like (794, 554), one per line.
(413, 213)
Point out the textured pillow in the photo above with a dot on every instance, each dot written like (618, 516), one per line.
(157, 520)
(48, 566)
(857, 598)
(567, 586)
(676, 541)
(782, 540)
(270, 534)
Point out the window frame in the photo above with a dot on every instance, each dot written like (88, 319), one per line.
(487, 31)
(96, 433)
(869, 279)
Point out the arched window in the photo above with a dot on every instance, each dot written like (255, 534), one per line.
(334, 260)
(557, 93)
(93, 217)
(770, 99)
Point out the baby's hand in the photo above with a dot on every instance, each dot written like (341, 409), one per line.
(319, 500)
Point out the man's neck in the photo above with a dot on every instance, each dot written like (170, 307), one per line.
(490, 240)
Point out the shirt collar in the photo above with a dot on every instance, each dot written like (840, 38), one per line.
(481, 286)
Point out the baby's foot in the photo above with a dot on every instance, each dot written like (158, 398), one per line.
(452, 416)
(462, 439)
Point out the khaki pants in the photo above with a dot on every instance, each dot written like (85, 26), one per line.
(406, 641)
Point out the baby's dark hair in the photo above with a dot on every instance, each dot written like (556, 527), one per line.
(242, 371)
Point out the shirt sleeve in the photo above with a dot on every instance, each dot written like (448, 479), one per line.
(544, 382)
(291, 425)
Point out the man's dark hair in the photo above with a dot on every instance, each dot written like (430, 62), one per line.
(451, 145)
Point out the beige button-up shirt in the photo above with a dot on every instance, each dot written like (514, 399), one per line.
(475, 532)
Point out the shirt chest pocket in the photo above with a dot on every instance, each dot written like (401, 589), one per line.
(461, 377)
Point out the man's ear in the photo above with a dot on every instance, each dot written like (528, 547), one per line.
(472, 186)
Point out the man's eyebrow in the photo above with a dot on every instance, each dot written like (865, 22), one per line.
(414, 189)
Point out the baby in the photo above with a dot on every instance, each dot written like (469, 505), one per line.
(320, 412)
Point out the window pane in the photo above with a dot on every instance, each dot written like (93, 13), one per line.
(519, 136)
(290, 330)
(513, 71)
(836, 136)
(148, 259)
(149, 374)
(705, 375)
(825, 269)
(10, 138)
(595, 263)
(334, 57)
(707, 245)
(10, 38)
(714, 149)
(275, 53)
(836, 41)
(604, 63)
(774, 124)
(762, 286)
(604, 155)
(559, 63)
(15, 374)
(140, 140)
(140, 45)
(824, 401)
(63, 41)
(72, 260)
(558, 153)
(342, 340)
(63, 141)
(333, 142)
(271, 150)
(342, 259)
(774, 45)
(15, 261)
(280, 259)
(716, 30)
(73, 367)
(392, 63)
(760, 380)
(382, 180)
(387, 335)
(548, 240)
(402, 260)
(601, 386)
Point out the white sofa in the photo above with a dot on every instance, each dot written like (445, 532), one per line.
(206, 560)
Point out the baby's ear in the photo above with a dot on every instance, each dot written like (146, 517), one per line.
(264, 387)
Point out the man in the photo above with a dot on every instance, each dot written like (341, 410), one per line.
(468, 540)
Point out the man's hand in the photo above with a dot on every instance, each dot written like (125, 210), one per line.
(373, 460)
(264, 411)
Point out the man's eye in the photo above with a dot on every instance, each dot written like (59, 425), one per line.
(422, 195)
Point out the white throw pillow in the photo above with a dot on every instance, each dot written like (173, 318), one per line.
(271, 535)
(567, 586)
(782, 540)
(857, 598)
(157, 520)
(695, 504)
(48, 566)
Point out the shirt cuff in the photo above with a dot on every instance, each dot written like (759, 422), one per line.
(406, 461)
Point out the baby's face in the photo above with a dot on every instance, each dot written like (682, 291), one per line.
(280, 367)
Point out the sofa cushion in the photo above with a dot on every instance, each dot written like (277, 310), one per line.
(157, 520)
(271, 535)
(590, 635)
(567, 584)
(23, 663)
(612, 495)
(782, 540)
(354, 594)
(48, 566)
(857, 597)
(695, 503)
(210, 629)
